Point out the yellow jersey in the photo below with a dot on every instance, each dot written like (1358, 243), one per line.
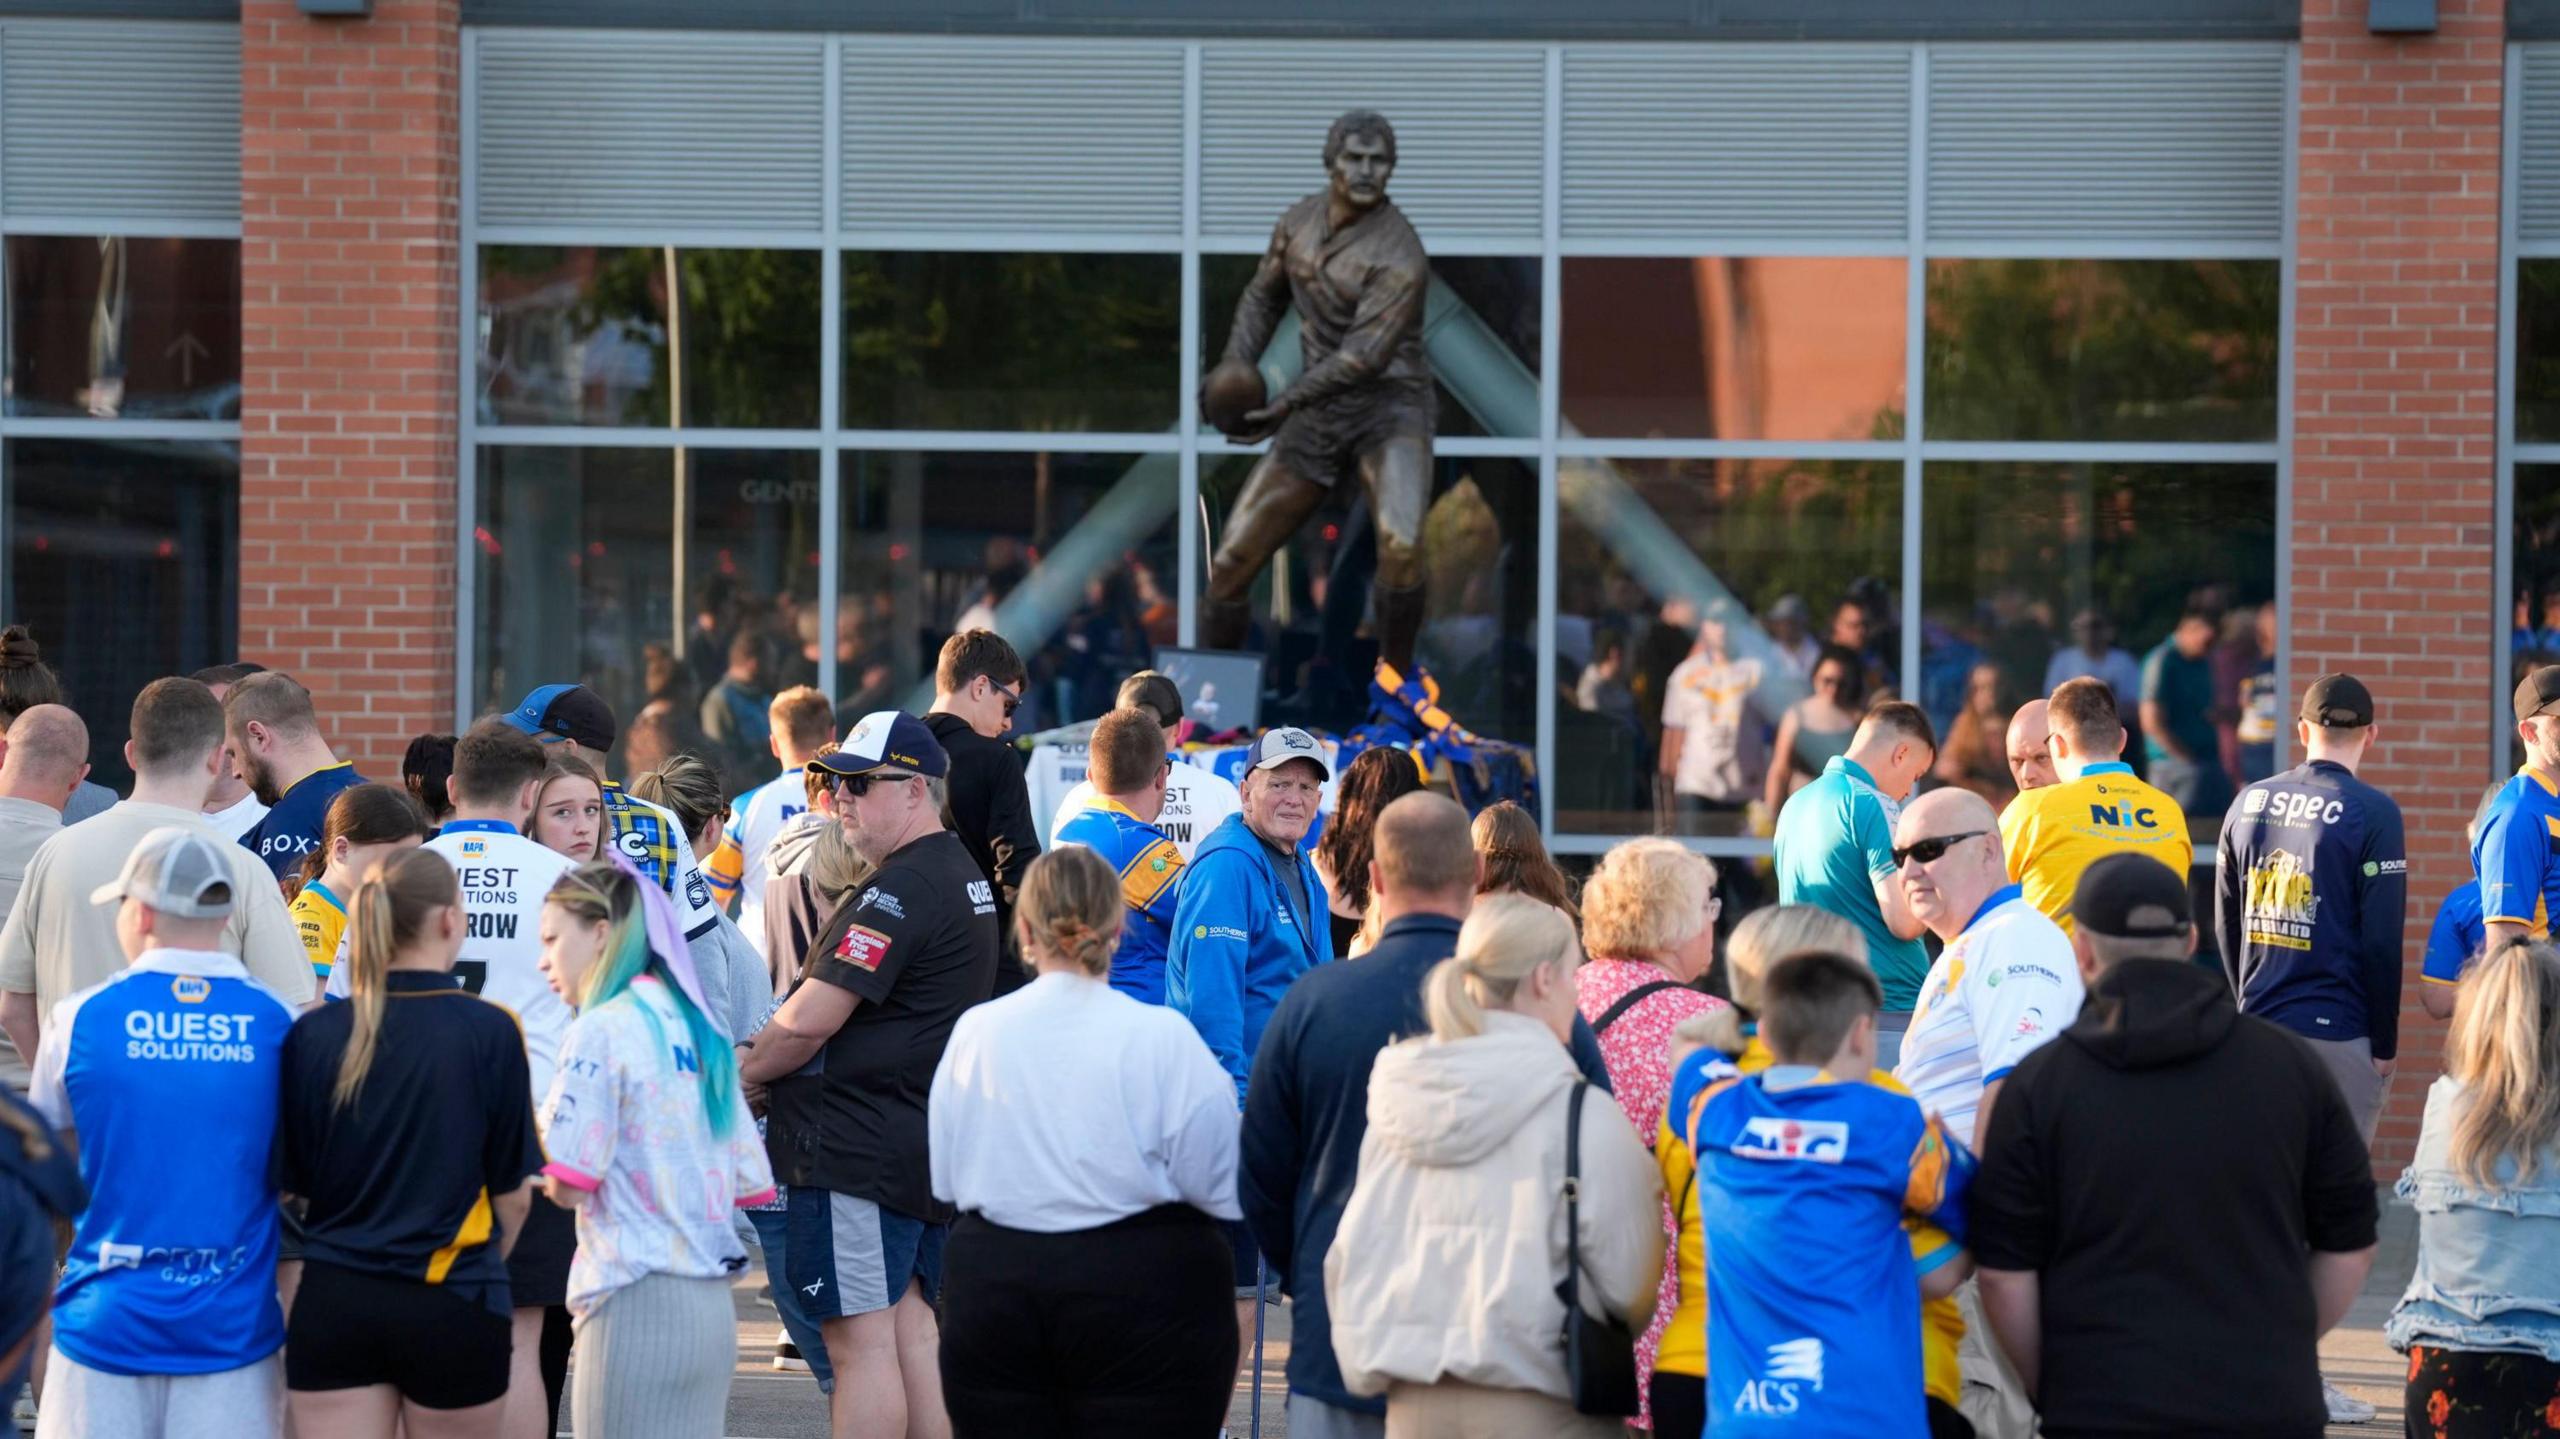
(318, 918)
(2052, 835)
(1684, 1339)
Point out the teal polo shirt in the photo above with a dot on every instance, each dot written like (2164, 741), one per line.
(1834, 840)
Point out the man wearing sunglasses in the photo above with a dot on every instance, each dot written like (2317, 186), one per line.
(2004, 985)
(977, 687)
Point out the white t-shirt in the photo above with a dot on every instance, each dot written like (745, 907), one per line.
(757, 817)
(505, 879)
(1068, 1105)
(237, 818)
(1195, 803)
(1723, 749)
(1998, 992)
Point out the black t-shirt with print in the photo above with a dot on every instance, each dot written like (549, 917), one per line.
(915, 947)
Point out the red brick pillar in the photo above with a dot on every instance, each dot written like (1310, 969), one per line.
(350, 210)
(2395, 413)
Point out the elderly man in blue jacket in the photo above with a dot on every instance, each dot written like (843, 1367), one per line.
(1251, 919)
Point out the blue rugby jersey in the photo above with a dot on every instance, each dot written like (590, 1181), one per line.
(171, 1075)
(1150, 868)
(2457, 937)
(2311, 887)
(2517, 854)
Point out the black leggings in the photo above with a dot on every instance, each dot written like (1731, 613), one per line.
(1123, 1330)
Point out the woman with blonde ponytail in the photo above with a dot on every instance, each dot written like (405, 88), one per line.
(1089, 1141)
(2481, 1318)
(408, 1131)
(1444, 1274)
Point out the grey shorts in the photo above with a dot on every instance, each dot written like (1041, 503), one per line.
(1324, 442)
(2350, 1062)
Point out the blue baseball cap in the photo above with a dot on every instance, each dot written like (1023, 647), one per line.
(570, 712)
(887, 739)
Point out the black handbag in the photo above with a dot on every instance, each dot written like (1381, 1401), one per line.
(1599, 1354)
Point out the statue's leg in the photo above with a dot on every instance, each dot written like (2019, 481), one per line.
(1276, 501)
(1397, 470)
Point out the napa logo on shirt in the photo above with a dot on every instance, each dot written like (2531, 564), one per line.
(1814, 1141)
(190, 989)
(1793, 1367)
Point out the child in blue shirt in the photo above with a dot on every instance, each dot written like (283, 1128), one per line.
(1813, 1313)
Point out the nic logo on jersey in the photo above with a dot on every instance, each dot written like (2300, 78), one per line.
(1770, 1136)
(1792, 1364)
(2116, 814)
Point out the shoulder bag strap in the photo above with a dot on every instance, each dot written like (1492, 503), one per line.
(1571, 1290)
(1630, 1000)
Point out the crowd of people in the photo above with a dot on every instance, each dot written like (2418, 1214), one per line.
(488, 1086)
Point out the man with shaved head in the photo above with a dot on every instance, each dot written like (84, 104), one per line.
(46, 757)
(2005, 983)
(1306, 1107)
(2030, 748)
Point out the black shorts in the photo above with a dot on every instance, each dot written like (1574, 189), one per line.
(441, 1348)
(538, 1267)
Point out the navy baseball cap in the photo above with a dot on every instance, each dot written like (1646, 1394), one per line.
(887, 739)
(570, 712)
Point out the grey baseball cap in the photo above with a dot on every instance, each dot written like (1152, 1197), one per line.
(1277, 747)
(175, 871)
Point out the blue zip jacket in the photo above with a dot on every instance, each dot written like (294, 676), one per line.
(2311, 894)
(1239, 942)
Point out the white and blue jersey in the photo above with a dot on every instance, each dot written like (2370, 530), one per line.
(170, 1073)
(758, 816)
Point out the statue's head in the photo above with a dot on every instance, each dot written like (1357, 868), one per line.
(1359, 155)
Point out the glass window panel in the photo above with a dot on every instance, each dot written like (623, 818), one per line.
(1784, 554)
(2019, 560)
(1311, 605)
(994, 341)
(580, 565)
(582, 336)
(124, 558)
(1070, 556)
(1481, 327)
(2537, 351)
(1735, 348)
(2102, 350)
(2534, 634)
(120, 328)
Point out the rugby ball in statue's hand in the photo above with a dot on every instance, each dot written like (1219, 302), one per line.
(1232, 391)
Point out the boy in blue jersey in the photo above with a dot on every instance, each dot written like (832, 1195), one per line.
(166, 1321)
(1128, 767)
(2458, 935)
(1813, 1299)
(2517, 854)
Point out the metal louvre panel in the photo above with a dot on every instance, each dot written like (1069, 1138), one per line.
(128, 119)
(2098, 142)
(1470, 132)
(1693, 144)
(2538, 143)
(1012, 135)
(652, 129)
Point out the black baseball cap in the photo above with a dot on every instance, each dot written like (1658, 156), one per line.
(570, 712)
(2538, 694)
(2131, 896)
(1155, 692)
(2338, 701)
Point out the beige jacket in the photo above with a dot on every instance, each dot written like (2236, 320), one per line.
(1448, 1258)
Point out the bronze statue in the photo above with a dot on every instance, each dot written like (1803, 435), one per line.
(1363, 405)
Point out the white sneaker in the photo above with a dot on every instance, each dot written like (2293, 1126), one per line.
(22, 1417)
(2345, 1408)
(786, 1357)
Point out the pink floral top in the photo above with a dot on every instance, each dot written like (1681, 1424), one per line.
(1637, 1047)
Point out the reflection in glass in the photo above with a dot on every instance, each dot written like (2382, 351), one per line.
(995, 341)
(2050, 571)
(580, 570)
(2534, 631)
(2102, 350)
(1749, 566)
(581, 336)
(118, 328)
(1069, 556)
(1480, 325)
(124, 559)
(1734, 348)
(1311, 606)
(2537, 351)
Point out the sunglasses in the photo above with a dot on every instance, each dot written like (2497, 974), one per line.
(855, 786)
(1012, 699)
(1929, 851)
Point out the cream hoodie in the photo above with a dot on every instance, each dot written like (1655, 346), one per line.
(1448, 1258)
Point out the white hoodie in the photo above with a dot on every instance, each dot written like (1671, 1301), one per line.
(1448, 1258)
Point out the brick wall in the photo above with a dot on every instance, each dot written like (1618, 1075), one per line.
(2395, 406)
(350, 199)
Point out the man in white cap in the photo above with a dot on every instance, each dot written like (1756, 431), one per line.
(166, 1319)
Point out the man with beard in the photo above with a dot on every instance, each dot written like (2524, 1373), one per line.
(277, 751)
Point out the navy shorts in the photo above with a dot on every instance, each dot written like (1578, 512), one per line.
(848, 1256)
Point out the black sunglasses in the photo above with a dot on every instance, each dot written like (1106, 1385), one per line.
(1928, 851)
(858, 785)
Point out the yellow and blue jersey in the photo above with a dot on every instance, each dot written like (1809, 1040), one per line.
(319, 918)
(2052, 835)
(1150, 868)
(2517, 856)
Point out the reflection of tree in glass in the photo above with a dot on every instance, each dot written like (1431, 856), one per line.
(2102, 350)
(750, 331)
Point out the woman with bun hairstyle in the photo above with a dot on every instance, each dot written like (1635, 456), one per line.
(1089, 1142)
(25, 682)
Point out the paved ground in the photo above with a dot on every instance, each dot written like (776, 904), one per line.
(767, 1405)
